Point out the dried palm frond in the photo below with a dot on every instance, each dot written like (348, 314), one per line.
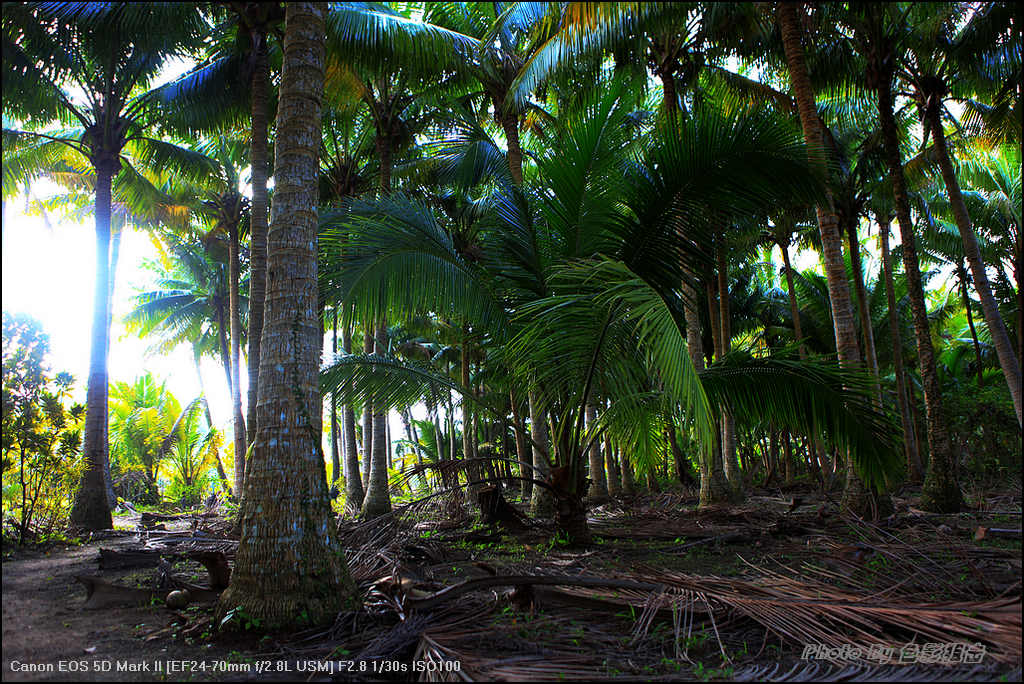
(812, 671)
(808, 612)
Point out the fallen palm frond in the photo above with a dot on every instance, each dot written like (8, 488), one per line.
(808, 612)
(454, 652)
(802, 611)
(811, 671)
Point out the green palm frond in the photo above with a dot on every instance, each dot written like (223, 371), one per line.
(393, 255)
(377, 37)
(812, 397)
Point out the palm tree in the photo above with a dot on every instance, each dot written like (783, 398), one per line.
(289, 568)
(86, 67)
(392, 64)
(236, 79)
(847, 348)
(229, 213)
(585, 292)
(190, 303)
(188, 448)
(876, 34)
(938, 56)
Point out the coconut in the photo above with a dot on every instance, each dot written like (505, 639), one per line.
(178, 599)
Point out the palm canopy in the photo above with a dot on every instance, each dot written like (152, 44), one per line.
(77, 77)
(189, 302)
(601, 243)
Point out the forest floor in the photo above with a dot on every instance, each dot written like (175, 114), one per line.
(663, 593)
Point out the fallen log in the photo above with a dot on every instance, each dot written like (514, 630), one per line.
(456, 590)
(100, 593)
(114, 559)
(216, 562)
(171, 517)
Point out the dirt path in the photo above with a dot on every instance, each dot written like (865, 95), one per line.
(48, 636)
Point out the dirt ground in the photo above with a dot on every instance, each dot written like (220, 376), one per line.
(507, 632)
(44, 625)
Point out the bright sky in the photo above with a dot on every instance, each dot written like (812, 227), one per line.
(49, 273)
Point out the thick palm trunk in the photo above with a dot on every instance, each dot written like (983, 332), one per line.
(996, 326)
(238, 422)
(542, 504)
(91, 510)
(941, 493)
(909, 438)
(855, 497)
(377, 501)
(353, 483)
(257, 226)
(598, 490)
(289, 569)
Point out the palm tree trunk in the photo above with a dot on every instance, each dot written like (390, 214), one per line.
(542, 504)
(794, 309)
(257, 225)
(855, 496)
(221, 473)
(996, 326)
(598, 480)
(238, 423)
(862, 303)
(377, 501)
(962, 277)
(732, 471)
(289, 568)
(510, 125)
(353, 482)
(91, 510)
(335, 428)
(941, 493)
(522, 448)
(614, 474)
(909, 438)
(468, 443)
(367, 418)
